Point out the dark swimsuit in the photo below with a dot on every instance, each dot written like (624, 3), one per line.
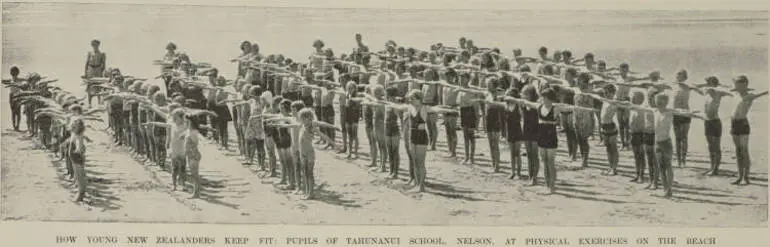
(513, 122)
(547, 130)
(494, 118)
(283, 139)
(468, 118)
(530, 124)
(368, 117)
(418, 136)
(391, 123)
(740, 127)
(713, 127)
(352, 112)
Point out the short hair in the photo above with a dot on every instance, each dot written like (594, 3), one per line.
(661, 96)
(277, 100)
(178, 113)
(285, 104)
(637, 96)
(159, 98)
(741, 79)
(542, 49)
(306, 114)
(584, 77)
(549, 93)
(95, 42)
(378, 90)
(525, 68)
(297, 105)
(318, 43)
(712, 80)
(171, 46)
(77, 126)
(415, 95)
(351, 86)
(529, 92)
(566, 53)
(255, 91)
(15, 70)
(623, 66)
(588, 56)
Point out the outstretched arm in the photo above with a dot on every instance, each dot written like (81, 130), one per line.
(755, 96)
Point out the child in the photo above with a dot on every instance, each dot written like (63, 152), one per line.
(378, 124)
(77, 154)
(514, 133)
(352, 114)
(15, 106)
(298, 168)
(192, 154)
(283, 146)
(254, 132)
(609, 130)
(392, 133)
(530, 129)
(450, 96)
(649, 141)
(468, 117)
(223, 113)
(306, 151)
(682, 123)
(176, 143)
(493, 122)
(636, 127)
(271, 133)
(160, 134)
(740, 128)
(713, 125)
(327, 111)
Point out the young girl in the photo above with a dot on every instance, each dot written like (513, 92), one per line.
(468, 117)
(223, 113)
(514, 133)
(176, 142)
(378, 124)
(254, 133)
(283, 145)
(298, 168)
(493, 121)
(306, 151)
(392, 133)
(352, 114)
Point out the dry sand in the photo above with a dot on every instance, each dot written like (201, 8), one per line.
(125, 190)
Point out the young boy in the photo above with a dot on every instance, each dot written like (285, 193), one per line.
(609, 130)
(740, 128)
(713, 125)
(682, 123)
(636, 126)
(176, 143)
(96, 62)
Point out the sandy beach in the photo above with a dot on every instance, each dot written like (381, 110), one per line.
(123, 189)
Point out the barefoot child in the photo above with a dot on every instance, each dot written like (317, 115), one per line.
(513, 124)
(468, 117)
(77, 154)
(255, 133)
(96, 62)
(176, 143)
(713, 125)
(192, 154)
(636, 125)
(682, 123)
(740, 128)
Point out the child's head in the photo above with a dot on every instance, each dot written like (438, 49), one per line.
(601, 65)
(152, 89)
(246, 46)
(637, 98)
(624, 68)
(415, 97)
(570, 75)
(266, 98)
(391, 92)
(513, 92)
(306, 116)
(378, 91)
(318, 44)
(95, 43)
(171, 46)
(566, 55)
(296, 106)
(741, 82)
(712, 81)
(351, 87)
(589, 58)
(77, 126)
(609, 91)
(76, 109)
(681, 75)
(543, 51)
(159, 98)
(255, 92)
(651, 96)
(246, 91)
(529, 93)
(285, 106)
(516, 52)
(277, 103)
(492, 84)
(15, 71)
(661, 100)
(584, 80)
(178, 115)
(549, 95)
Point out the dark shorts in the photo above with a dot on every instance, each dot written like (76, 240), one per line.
(308, 100)
(468, 118)
(649, 139)
(609, 129)
(419, 137)
(637, 139)
(713, 127)
(740, 127)
(681, 120)
(292, 96)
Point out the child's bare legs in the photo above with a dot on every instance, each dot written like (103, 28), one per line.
(195, 176)
(652, 164)
(639, 161)
(742, 155)
(250, 148)
(285, 170)
(533, 163)
(515, 148)
(299, 173)
(419, 164)
(259, 145)
(470, 145)
(177, 171)
(238, 136)
(271, 160)
(432, 130)
(344, 130)
(352, 140)
(582, 143)
(494, 146)
(371, 137)
(663, 152)
(410, 156)
(548, 155)
(681, 129)
(611, 144)
(450, 123)
(715, 153)
(623, 118)
(383, 147)
(393, 154)
(309, 164)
